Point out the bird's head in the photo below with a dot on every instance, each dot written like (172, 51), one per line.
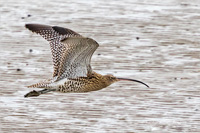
(111, 79)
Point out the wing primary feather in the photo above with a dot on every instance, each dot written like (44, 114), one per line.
(53, 35)
(71, 52)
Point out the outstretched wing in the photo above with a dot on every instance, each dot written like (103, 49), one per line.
(75, 60)
(54, 35)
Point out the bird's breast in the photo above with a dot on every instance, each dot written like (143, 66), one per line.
(80, 85)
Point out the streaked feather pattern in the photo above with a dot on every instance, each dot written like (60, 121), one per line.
(54, 35)
(75, 60)
(71, 52)
(71, 58)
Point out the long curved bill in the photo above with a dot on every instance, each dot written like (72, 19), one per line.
(125, 79)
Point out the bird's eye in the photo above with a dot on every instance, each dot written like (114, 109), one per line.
(112, 78)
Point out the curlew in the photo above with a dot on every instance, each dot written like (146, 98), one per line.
(71, 53)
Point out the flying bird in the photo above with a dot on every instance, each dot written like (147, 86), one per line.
(71, 53)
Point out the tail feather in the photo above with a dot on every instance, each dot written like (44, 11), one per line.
(44, 84)
(38, 85)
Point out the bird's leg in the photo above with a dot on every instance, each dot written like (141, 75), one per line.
(37, 93)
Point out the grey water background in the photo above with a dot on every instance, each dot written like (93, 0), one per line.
(156, 42)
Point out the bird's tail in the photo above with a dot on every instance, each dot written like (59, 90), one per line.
(44, 84)
(38, 85)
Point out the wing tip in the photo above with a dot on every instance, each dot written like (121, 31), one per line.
(37, 27)
(31, 27)
(28, 26)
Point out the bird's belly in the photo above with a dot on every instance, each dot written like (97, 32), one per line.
(78, 87)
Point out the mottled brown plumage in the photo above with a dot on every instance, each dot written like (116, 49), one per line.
(71, 55)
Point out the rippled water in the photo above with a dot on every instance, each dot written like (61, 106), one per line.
(153, 41)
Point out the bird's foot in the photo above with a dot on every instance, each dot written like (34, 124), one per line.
(32, 94)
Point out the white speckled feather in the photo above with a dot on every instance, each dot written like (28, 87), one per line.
(54, 35)
(75, 60)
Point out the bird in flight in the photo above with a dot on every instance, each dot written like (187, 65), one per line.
(71, 53)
